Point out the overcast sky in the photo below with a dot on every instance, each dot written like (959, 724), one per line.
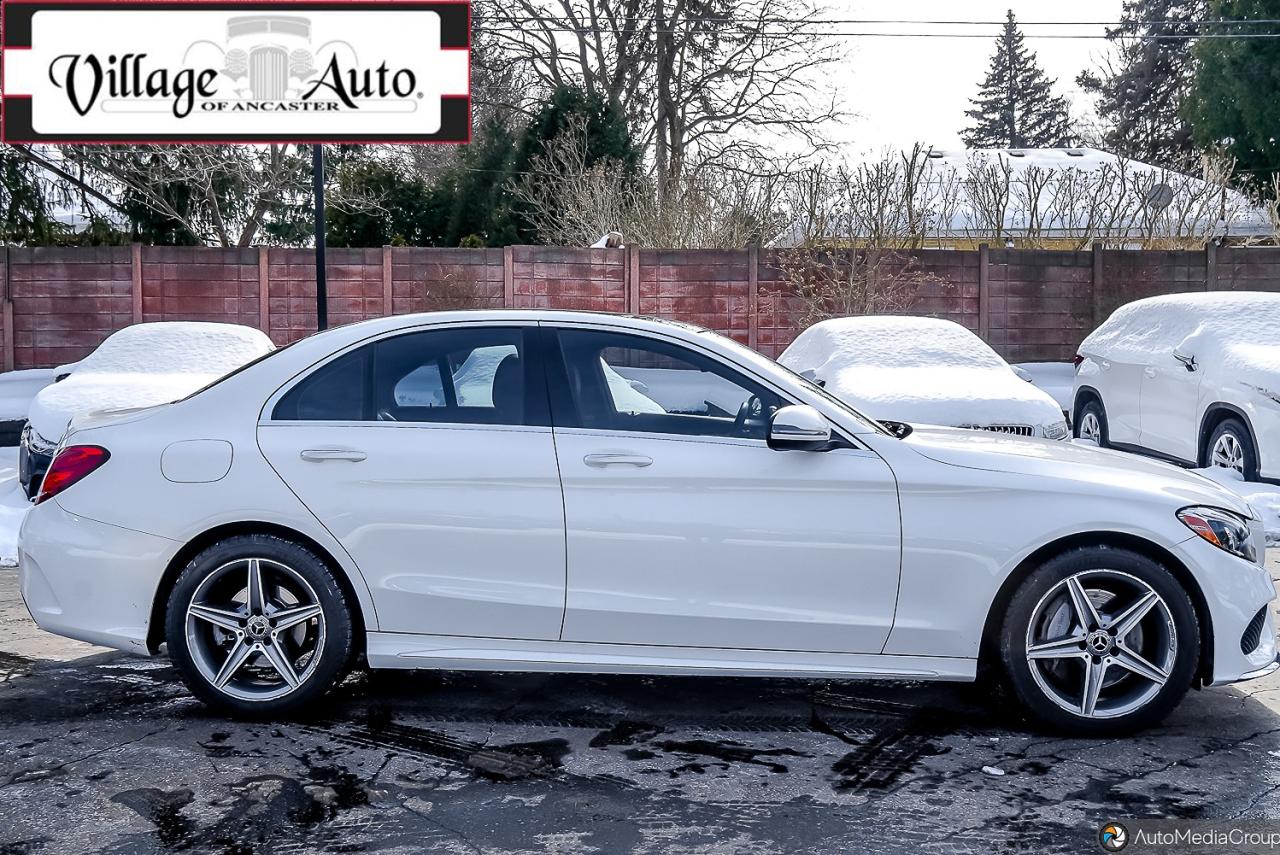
(903, 90)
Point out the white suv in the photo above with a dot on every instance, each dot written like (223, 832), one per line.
(1191, 378)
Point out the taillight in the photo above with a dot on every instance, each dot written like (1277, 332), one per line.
(1077, 360)
(69, 466)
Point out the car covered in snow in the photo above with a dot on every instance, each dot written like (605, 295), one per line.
(138, 366)
(1191, 378)
(922, 371)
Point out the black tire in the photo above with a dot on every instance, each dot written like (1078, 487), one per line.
(331, 632)
(1092, 406)
(1236, 429)
(1042, 587)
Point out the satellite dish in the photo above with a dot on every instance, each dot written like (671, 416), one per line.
(1160, 197)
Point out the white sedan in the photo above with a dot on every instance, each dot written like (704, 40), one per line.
(922, 371)
(139, 366)
(476, 490)
(1191, 378)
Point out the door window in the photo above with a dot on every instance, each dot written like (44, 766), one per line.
(465, 376)
(626, 382)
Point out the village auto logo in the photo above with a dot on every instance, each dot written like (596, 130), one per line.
(232, 71)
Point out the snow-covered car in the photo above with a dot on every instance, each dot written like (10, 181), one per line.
(310, 513)
(138, 366)
(1191, 378)
(922, 371)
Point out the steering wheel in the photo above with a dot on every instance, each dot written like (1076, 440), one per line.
(752, 408)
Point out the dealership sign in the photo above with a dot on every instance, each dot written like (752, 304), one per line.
(305, 71)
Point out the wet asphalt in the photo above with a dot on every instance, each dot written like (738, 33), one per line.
(104, 752)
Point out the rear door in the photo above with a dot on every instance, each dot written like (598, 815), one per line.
(429, 456)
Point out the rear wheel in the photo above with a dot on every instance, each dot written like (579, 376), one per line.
(258, 625)
(1091, 423)
(1100, 641)
(1230, 446)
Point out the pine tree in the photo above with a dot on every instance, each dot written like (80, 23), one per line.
(1016, 107)
(1141, 89)
(1232, 105)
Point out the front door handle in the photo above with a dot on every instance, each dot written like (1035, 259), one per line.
(320, 455)
(602, 460)
(1150, 372)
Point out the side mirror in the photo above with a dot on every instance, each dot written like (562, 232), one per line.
(1188, 362)
(799, 428)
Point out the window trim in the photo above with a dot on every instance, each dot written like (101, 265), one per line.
(537, 412)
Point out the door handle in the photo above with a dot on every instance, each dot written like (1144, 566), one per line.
(601, 460)
(1150, 372)
(320, 455)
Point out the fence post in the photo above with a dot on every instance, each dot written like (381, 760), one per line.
(388, 305)
(753, 295)
(8, 313)
(633, 279)
(1211, 266)
(984, 291)
(264, 290)
(508, 277)
(1098, 284)
(135, 264)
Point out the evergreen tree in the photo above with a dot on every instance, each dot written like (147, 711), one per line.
(1142, 88)
(1016, 107)
(1233, 105)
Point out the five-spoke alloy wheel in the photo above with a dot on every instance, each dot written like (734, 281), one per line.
(1100, 640)
(259, 625)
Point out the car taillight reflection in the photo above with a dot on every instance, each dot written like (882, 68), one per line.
(69, 466)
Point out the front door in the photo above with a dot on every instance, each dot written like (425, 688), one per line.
(683, 528)
(429, 456)
(1170, 403)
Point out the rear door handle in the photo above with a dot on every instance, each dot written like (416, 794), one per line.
(602, 460)
(320, 455)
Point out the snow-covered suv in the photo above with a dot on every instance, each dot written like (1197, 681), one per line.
(1192, 378)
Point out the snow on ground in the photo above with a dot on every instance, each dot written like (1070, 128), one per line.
(920, 370)
(1265, 498)
(17, 388)
(13, 507)
(1055, 378)
(144, 365)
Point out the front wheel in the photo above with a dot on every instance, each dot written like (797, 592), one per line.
(1230, 446)
(1100, 641)
(1090, 423)
(258, 626)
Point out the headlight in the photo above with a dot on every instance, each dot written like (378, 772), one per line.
(1056, 430)
(1223, 529)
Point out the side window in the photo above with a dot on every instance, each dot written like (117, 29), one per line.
(335, 392)
(474, 375)
(625, 382)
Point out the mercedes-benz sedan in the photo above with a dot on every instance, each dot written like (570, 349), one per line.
(559, 491)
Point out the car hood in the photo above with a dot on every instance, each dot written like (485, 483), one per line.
(1082, 464)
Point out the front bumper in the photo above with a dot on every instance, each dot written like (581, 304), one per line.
(1235, 591)
(89, 580)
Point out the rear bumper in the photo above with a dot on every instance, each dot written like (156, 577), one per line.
(88, 580)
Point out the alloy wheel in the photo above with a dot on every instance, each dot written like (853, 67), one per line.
(1101, 643)
(1228, 453)
(255, 629)
(1091, 428)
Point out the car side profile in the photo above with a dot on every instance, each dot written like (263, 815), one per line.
(561, 491)
(1184, 378)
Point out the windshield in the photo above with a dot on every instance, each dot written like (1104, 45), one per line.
(750, 355)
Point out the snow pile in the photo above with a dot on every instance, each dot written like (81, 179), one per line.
(144, 365)
(1057, 379)
(13, 507)
(1264, 498)
(1236, 334)
(17, 388)
(921, 370)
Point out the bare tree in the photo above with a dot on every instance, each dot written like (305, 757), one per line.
(699, 80)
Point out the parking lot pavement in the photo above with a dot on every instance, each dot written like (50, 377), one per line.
(102, 752)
